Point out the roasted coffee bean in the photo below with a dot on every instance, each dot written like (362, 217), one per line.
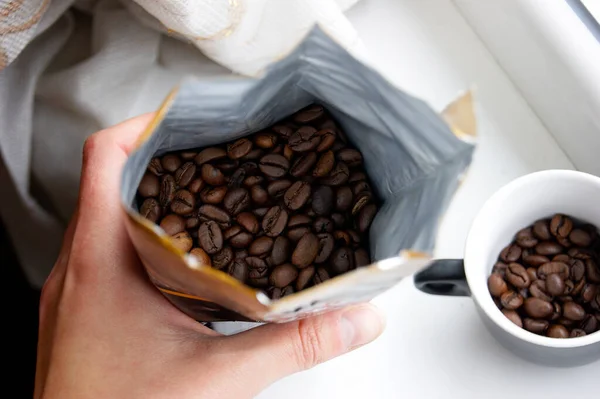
(496, 285)
(239, 148)
(274, 221)
(288, 153)
(595, 303)
(188, 155)
(251, 181)
(281, 250)
(553, 267)
(241, 239)
(210, 237)
(185, 174)
(500, 268)
(155, 167)
(555, 285)
(339, 220)
(360, 187)
(309, 114)
(171, 162)
(342, 260)
(561, 226)
(167, 190)
(526, 239)
(573, 311)
(299, 220)
(589, 292)
(580, 253)
(196, 185)
(538, 308)
(538, 289)
(297, 233)
(265, 140)
(323, 225)
(306, 250)
(548, 248)
(211, 212)
(212, 175)
(260, 212)
(342, 237)
(150, 209)
(320, 276)
(580, 237)
(326, 245)
(513, 316)
(578, 287)
(343, 198)
(303, 164)
(223, 258)
(149, 186)
(240, 254)
(569, 288)
(361, 257)
(366, 216)
(511, 253)
(532, 271)
(577, 269)
(324, 165)
(236, 200)
(589, 324)
(327, 139)
(511, 300)
(517, 275)
(213, 195)
(536, 325)
(183, 202)
(338, 175)
(283, 130)
(304, 139)
(322, 200)
(283, 275)
(255, 262)
(278, 188)
(261, 246)
(274, 165)
(541, 229)
(304, 277)
(354, 237)
(238, 269)
(564, 241)
(248, 221)
(172, 224)
(259, 195)
(556, 315)
(202, 257)
(592, 270)
(576, 332)
(350, 156)
(561, 258)
(557, 331)
(182, 241)
(296, 196)
(209, 155)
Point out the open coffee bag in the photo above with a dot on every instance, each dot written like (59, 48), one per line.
(413, 156)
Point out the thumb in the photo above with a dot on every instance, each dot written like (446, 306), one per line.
(273, 351)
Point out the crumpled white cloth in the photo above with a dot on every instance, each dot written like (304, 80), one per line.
(69, 68)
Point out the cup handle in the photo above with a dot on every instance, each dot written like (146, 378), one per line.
(443, 277)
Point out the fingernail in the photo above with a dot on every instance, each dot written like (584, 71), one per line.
(361, 325)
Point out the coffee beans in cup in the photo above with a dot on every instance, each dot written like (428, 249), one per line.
(547, 280)
(281, 210)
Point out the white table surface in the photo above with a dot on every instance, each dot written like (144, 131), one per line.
(436, 347)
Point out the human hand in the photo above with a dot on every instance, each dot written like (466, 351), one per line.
(107, 332)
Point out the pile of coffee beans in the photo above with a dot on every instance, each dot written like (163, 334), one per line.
(284, 209)
(547, 280)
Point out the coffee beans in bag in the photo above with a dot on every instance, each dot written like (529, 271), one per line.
(313, 187)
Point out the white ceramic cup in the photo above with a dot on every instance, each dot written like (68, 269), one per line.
(517, 205)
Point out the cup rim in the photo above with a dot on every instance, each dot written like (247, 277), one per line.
(480, 293)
